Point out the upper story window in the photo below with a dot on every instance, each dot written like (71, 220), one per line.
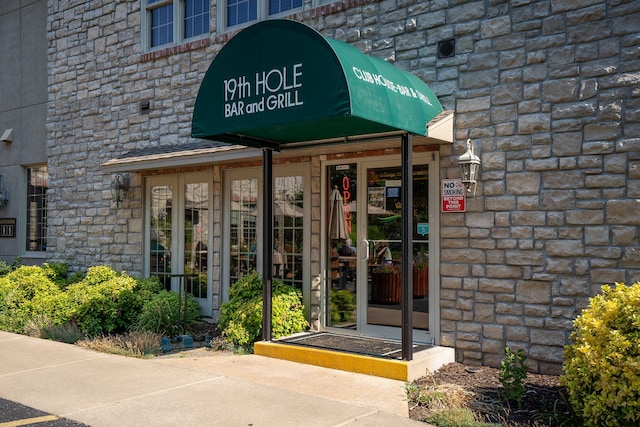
(240, 12)
(172, 22)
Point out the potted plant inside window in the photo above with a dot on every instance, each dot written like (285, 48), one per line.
(386, 284)
(421, 275)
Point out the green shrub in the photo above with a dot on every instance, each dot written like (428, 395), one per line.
(57, 272)
(512, 373)
(602, 362)
(241, 318)
(132, 301)
(160, 314)
(100, 301)
(4, 268)
(25, 293)
(342, 306)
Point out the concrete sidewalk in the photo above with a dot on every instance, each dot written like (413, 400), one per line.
(194, 388)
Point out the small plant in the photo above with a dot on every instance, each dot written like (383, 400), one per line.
(241, 317)
(342, 306)
(160, 314)
(421, 261)
(133, 344)
(602, 368)
(457, 417)
(42, 327)
(512, 373)
(388, 269)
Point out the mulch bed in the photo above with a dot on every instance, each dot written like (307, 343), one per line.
(545, 402)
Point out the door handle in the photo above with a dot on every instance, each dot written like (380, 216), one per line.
(368, 249)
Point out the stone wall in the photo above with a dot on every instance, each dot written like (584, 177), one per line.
(547, 90)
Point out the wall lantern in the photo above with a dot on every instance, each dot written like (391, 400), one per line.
(469, 166)
(119, 187)
(4, 195)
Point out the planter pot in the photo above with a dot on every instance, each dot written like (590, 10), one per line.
(386, 288)
(421, 283)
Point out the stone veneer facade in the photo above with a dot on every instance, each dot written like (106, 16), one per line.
(549, 91)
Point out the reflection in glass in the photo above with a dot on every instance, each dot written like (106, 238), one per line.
(196, 231)
(288, 221)
(160, 237)
(243, 227)
(342, 289)
(384, 236)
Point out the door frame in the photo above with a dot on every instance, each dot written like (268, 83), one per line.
(177, 183)
(432, 159)
(279, 171)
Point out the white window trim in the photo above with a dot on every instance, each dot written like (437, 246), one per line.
(178, 25)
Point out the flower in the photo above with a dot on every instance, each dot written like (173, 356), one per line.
(388, 268)
(421, 261)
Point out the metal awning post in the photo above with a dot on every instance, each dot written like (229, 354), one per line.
(267, 240)
(407, 247)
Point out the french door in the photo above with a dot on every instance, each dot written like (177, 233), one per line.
(364, 278)
(179, 235)
(242, 230)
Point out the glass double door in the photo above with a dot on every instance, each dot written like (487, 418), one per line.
(364, 226)
(179, 235)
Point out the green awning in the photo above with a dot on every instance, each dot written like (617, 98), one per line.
(280, 82)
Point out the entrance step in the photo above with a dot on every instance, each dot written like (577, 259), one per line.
(425, 358)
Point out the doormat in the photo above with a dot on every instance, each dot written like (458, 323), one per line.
(367, 346)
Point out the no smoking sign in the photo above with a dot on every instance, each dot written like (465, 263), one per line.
(454, 195)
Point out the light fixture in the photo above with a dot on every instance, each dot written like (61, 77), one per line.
(119, 187)
(7, 135)
(4, 195)
(469, 166)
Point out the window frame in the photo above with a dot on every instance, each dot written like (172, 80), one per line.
(178, 19)
(42, 225)
(263, 15)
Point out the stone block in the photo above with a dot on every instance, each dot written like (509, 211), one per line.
(623, 212)
(533, 292)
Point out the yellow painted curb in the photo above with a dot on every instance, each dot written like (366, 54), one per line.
(385, 368)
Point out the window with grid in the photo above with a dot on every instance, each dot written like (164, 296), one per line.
(169, 22)
(243, 11)
(37, 183)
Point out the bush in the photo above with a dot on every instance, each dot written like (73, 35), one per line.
(241, 318)
(602, 362)
(5, 268)
(105, 301)
(342, 307)
(27, 292)
(44, 297)
(160, 314)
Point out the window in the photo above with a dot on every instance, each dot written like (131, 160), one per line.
(178, 229)
(37, 183)
(244, 11)
(169, 22)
